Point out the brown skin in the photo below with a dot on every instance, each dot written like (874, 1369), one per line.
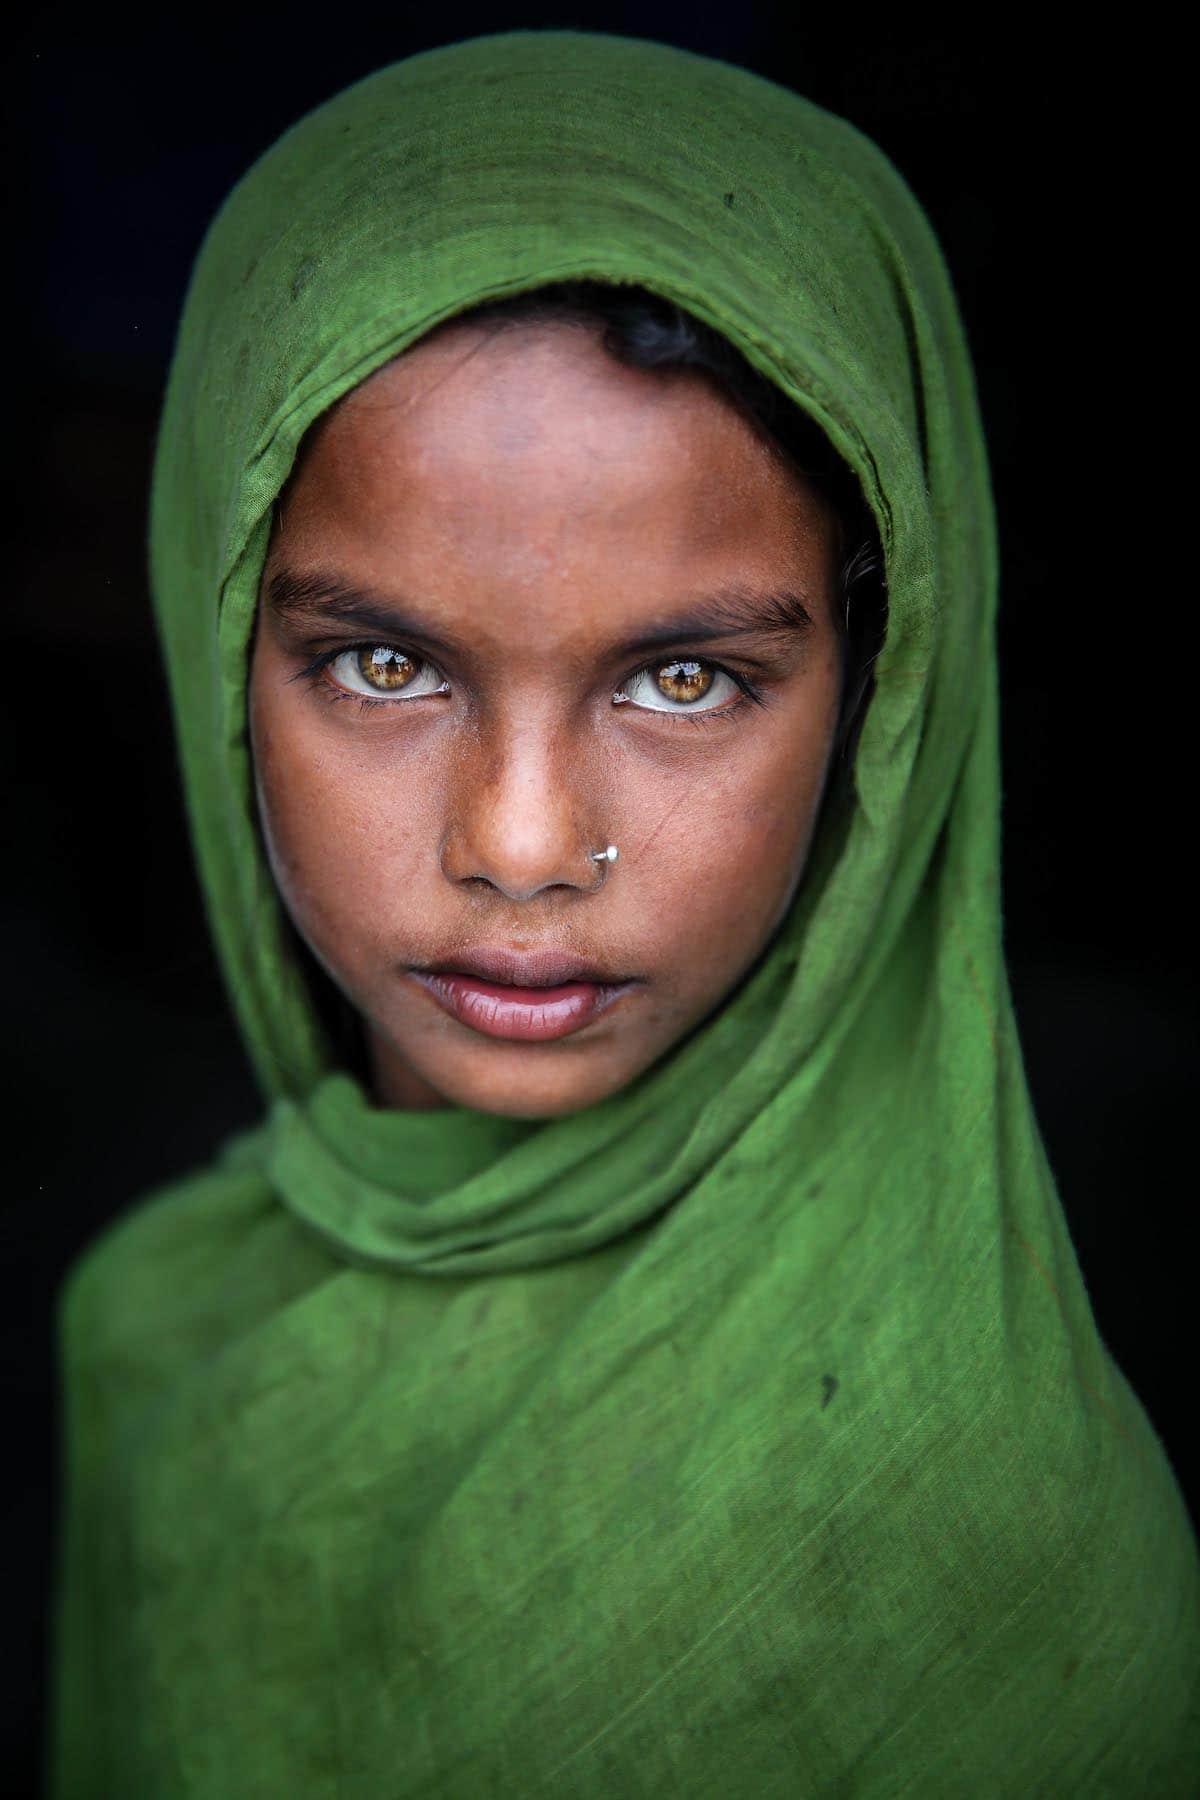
(539, 502)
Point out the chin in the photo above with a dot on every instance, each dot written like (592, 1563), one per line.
(522, 1095)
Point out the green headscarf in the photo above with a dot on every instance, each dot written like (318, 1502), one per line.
(750, 1432)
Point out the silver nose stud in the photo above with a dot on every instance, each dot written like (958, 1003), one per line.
(608, 856)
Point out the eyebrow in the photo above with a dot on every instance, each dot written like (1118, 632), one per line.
(737, 610)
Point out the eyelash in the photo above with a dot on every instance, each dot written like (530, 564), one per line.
(751, 691)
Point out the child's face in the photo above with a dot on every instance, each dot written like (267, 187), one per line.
(537, 508)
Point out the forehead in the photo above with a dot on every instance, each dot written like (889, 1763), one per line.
(531, 461)
(546, 411)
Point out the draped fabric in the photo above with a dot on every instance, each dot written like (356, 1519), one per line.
(746, 1433)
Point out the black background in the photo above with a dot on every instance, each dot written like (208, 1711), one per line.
(124, 1066)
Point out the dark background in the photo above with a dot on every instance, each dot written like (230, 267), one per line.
(124, 1067)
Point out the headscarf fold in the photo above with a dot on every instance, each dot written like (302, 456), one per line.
(747, 1432)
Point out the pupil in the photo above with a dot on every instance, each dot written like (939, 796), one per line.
(684, 681)
(385, 668)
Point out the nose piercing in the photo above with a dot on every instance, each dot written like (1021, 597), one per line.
(609, 855)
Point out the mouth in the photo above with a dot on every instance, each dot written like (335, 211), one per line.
(524, 996)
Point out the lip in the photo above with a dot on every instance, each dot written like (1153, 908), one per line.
(532, 997)
(525, 968)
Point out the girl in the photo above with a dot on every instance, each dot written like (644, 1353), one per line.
(640, 1351)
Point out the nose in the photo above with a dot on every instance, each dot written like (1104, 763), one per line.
(519, 818)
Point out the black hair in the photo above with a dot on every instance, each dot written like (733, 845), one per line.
(645, 330)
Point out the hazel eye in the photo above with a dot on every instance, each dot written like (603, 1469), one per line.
(680, 686)
(382, 670)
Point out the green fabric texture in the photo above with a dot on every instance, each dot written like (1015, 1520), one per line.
(750, 1432)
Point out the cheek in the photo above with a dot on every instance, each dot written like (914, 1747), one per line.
(731, 853)
(339, 832)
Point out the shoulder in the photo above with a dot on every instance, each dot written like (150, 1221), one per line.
(185, 1265)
